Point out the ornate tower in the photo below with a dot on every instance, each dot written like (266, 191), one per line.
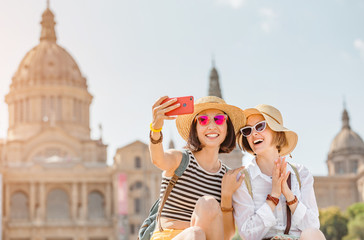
(346, 153)
(214, 85)
(49, 94)
(57, 184)
(233, 159)
(48, 90)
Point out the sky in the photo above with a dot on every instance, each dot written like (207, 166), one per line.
(303, 57)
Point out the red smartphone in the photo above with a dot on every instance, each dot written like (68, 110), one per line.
(186, 106)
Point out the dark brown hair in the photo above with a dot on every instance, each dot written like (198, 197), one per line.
(279, 140)
(226, 146)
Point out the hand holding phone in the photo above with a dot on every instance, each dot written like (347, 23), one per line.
(186, 106)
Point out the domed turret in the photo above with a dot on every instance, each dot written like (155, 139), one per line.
(48, 63)
(48, 90)
(346, 140)
(346, 152)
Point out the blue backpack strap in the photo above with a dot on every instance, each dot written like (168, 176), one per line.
(184, 163)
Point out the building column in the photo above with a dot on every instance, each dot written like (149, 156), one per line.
(108, 201)
(42, 202)
(84, 202)
(74, 202)
(7, 202)
(32, 205)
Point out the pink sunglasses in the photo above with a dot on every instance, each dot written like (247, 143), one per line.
(203, 120)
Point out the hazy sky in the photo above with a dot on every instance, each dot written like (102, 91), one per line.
(302, 57)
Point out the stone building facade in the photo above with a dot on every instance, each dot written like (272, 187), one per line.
(345, 183)
(56, 183)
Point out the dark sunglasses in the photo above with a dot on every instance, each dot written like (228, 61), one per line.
(203, 120)
(259, 127)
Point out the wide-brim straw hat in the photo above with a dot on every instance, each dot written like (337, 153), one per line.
(235, 114)
(274, 119)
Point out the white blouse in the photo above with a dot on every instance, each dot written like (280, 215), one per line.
(255, 219)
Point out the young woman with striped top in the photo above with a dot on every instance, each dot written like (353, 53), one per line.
(197, 207)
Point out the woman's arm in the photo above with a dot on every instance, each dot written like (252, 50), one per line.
(306, 214)
(251, 224)
(164, 160)
(230, 183)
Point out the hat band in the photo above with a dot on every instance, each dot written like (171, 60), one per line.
(271, 117)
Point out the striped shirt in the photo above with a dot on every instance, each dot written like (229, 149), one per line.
(194, 183)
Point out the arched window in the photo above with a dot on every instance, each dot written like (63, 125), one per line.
(354, 165)
(135, 186)
(59, 109)
(340, 167)
(137, 205)
(19, 208)
(58, 206)
(137, 162)
(96, 207)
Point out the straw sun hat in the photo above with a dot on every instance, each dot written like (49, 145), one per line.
(274, 119)
(235, 114)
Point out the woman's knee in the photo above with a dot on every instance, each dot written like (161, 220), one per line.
(193, 233)
(312, 233)
(208, 206)
(197, 233)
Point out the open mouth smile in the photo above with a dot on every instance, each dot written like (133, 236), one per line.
(212, 135)
(258, 141)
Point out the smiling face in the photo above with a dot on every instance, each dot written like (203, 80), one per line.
(211, 134)
(260, 142)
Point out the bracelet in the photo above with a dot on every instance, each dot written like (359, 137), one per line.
(273, 199)
(155, 141)
(223, 209)
(154, 130)
(293, 201)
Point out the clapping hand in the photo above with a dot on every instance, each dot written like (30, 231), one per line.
(279, 178)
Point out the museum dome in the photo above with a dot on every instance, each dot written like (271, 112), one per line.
(48, 63)
(346, 139)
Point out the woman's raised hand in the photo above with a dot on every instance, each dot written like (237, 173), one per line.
(159, 110)
(285, 188)
(278, 176)
(231, 182)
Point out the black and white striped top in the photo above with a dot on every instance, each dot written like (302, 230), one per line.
(194, 183)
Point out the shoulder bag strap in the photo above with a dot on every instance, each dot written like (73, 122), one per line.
(289, 215)
(248, 182)
(297, 174)
(177, 173)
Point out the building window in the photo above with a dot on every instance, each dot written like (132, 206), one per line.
(137, 162)
(44, 109)
(96, 209)
(137, 205)
(59, 109)
(58, 206)
(339, 167)
(137, 185)
(19, 209)
(21, 110)
(27, 110)
(354, 164)
(132, 229)
(16, 116)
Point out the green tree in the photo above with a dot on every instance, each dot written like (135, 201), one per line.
(354, 210)
(236, 236)
(356, 222)
(333, 223)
